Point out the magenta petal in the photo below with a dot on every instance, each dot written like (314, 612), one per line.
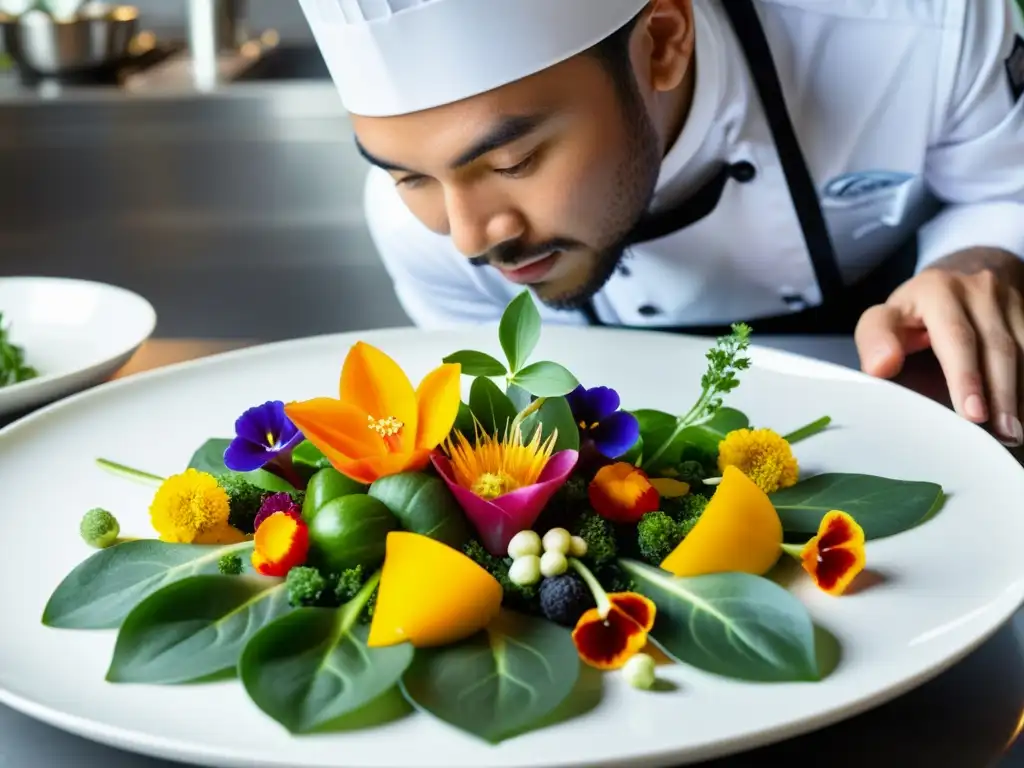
(497, 521)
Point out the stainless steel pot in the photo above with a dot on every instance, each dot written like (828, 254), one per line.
(97, 37)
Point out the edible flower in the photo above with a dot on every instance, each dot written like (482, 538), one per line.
(263, 433)
(762, 455)
(503, 485)
(192, 508)
(608, 636)
(622, 493)
(276, 502)
(281, 543)
(835, 556)
(380, 425)
(596, 412)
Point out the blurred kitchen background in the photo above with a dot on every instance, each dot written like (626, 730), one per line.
(194, 151)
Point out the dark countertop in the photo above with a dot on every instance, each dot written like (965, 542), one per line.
(969, 717)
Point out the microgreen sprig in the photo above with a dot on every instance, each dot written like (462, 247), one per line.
(13, 369)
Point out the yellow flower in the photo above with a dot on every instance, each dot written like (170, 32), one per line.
(762, 455)
(492, 468)
(192, 508)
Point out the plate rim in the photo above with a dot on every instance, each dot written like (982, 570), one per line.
(145, 331)
(165, 748)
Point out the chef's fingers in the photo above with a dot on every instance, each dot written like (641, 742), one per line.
(1015, 321)
(884, 336)
(955, 344)
(987, 305)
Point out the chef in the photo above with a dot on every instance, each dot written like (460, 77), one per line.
(826, 166)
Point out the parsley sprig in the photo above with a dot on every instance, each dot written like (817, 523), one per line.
(725, 360)
(13, 368)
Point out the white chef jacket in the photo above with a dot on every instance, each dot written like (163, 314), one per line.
(909, 119)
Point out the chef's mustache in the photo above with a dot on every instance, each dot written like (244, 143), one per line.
(512, 253)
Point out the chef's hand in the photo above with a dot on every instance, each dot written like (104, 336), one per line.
(968, 309)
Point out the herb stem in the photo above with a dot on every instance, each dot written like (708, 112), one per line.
(129, 472)
(808, 430)
(604, 605)
(528, 411)
(794, 550)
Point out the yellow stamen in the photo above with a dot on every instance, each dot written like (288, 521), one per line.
(388, 427)
(491, 468)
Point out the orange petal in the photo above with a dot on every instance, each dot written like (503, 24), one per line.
(438, 398)
(836, 556)
(608, 643)
(336, 428)
(838, 529)
(637, 607)
(375, 384)
(377, 467)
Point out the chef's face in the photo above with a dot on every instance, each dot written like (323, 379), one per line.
(544, 179)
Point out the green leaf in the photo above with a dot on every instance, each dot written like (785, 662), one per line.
(732, 624)
(699, 441)
(519, 397)
(424, 505)
(554, 414)
(209, 458)
(655, 428)
(498, 683)
(519, 330)
(546, 379)
(477, 363)
(194, 628)
(464, 421)
(309, 459)
(313, 666)
(706, 437)
(102, 590)
(881, 506)
(491, 406)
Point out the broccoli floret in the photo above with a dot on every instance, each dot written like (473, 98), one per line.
(348, 583)
(99, 528)
(564, 599)
(575, 490)
(516, 596)
(244, 499)
(686, 510)
(613, 578)
(693, 473)
(230, 564)
(657, 535)
(599, 535)
(366, 616)
(306, 586)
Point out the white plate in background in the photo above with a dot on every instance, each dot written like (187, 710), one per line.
(75, 333)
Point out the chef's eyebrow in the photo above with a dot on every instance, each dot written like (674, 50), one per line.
(506, 131)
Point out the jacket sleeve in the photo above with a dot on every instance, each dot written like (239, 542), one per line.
(433, 282)
(976, 162)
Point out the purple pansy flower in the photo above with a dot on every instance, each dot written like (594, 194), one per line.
(597, 414)
(276, 502)
(263, 433)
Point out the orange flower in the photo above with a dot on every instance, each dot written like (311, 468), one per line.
(281, 543)
(622, 493)
(836, 555)
(380, 425)
(610, 634)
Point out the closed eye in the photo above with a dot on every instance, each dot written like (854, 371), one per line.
(519, 168)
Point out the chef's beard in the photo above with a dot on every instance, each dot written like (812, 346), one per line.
(627, 202)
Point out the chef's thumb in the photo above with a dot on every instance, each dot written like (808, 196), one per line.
(879, 341)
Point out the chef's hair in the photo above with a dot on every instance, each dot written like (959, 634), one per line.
(613, 53)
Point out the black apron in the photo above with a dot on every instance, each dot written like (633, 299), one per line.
(842, 304)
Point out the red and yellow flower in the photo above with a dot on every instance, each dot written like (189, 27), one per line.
(836, 556)
(380, 425)
(622, 493)
(280, 544)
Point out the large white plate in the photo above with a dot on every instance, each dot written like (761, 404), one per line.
(948, 584)
(76, 333)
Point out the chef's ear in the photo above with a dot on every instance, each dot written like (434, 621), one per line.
(668, 42)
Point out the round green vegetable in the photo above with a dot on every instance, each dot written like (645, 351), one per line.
(99, 528)
(424, 505)
(326, 485)
(350, 531)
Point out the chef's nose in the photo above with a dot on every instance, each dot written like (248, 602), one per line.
(477, 224)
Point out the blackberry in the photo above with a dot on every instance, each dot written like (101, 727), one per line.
(563, 599)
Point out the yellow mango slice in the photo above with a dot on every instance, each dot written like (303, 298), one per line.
(739, 531)
(430, 594)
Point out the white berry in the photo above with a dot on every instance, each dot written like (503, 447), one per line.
(639, 671)
(524, 543)
(577, 547)
(553, 564)
(557, 540)
(525, 570)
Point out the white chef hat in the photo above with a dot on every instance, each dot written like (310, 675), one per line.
(394, 57)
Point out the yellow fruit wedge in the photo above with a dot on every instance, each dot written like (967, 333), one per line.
(430, 594)
(738, 531)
